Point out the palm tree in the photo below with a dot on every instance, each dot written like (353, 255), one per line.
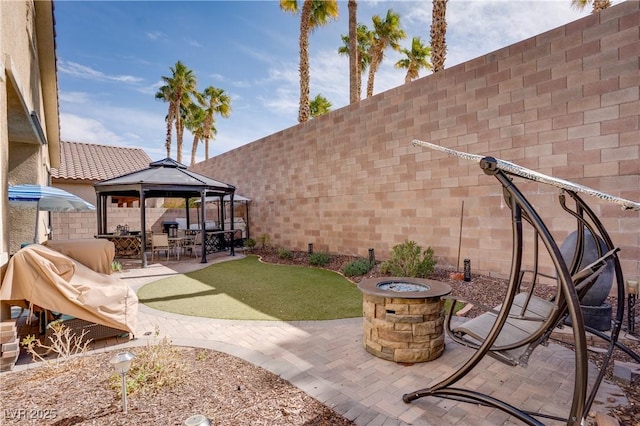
(319, 105)
(598, 5)
(194, 122)
(365, 38)
(177, 90)
(438, 33)
(314, 13)
(214, 101)
(354, 69)
(416, 59)
(387, 33)
(165, 94)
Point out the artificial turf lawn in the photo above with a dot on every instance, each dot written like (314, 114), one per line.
(247, 289)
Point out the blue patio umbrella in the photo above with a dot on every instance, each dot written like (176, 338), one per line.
(46, 198)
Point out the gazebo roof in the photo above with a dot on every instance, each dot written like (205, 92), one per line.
(164, 178)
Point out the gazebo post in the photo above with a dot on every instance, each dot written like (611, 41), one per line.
(203, 230)
(232, 251)
(186, 208)
(143, 231)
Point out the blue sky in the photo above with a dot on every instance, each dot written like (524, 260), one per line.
(112, 55)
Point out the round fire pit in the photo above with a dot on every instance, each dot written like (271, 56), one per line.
(403, 318)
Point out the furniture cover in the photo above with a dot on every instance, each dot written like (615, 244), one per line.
(97, 254)
(39, 275)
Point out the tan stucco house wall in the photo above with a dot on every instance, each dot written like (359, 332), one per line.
(28, 103)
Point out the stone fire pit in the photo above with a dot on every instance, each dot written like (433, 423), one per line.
(403, 318)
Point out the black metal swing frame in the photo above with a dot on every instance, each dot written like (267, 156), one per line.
(520, 311)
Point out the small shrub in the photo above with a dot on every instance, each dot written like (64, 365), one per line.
(265, 241)
(408, 260)
(116, 266)
(319, 259)
(283, 253)
(357, 267)
(156, 366)
(62, 342)
(249, 243)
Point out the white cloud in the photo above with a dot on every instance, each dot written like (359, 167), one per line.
(156, 35)
(87, 130)
(82, 71)
(241, 84)
(73, 97)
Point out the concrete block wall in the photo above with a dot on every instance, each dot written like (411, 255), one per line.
(74, 225)
(565, 103)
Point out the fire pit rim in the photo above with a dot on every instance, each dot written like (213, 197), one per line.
(436, 288)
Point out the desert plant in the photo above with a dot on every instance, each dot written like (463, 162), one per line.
(157, 365)
(284, 253)
(116, 266)
(249, 243)
(61, 341)
(265, 241)
(357, 267)
(319, 259)
(408, 260)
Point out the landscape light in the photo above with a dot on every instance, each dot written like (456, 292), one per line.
(121, 363)
(197, 420)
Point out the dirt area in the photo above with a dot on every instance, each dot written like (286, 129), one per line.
(85, 391)
(225, 388)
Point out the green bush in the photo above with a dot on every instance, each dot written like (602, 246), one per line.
(319, 259)
(265, 241)
(249, 243)
(408, 260)
(116, 266)
(283, 253)
(357, 267)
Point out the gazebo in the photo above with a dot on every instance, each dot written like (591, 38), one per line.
(163, 179)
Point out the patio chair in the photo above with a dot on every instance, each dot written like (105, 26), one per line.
(511, 331)
(159, 242)
(192, 241)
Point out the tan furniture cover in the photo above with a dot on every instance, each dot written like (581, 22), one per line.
(44, 277)
(97, 254)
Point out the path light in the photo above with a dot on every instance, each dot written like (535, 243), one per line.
(197, 420)
(633, 288)
(121, 363)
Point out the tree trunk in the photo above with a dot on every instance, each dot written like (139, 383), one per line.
(599, 5)
(438, 32)
(373, 68)
(167, 142)
(305, 19)
(194, 149)
(179, 137)
(354, 63)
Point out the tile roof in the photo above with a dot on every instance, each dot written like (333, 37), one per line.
(87, 161)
